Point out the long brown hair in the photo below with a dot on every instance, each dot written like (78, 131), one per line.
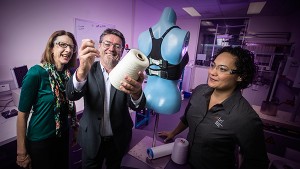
(47, 54)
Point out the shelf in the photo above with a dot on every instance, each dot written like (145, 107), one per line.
(282, 120)
(287, 81)
(267, 71)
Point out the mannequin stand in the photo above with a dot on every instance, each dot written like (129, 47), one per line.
(155, 129)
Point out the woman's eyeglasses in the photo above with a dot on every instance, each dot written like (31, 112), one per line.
(65, 45)
(222, 69)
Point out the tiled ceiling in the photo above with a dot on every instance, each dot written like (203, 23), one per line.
(226, 8)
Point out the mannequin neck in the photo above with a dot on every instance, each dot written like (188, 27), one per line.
(168, 15)
(167, 20)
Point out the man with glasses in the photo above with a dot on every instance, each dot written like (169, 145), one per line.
(106, 127)
(220, 119)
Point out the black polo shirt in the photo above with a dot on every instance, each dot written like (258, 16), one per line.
(214, 134)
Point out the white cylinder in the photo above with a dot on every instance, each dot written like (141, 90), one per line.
(133, 62)
(160, 151)
(180, 151)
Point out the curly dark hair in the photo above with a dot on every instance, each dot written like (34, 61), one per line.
(246, 67)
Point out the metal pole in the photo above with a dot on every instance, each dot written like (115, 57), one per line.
(244, 34)
(213, 49)
(275, 82)
(297, 109)
(155, 129)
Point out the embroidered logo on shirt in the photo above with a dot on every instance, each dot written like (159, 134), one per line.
(219, 122)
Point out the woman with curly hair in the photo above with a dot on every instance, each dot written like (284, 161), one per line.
(220, 119)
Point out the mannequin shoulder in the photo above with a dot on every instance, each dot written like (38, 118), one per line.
(144, 37)
(145, 42)
(145, 34)
(178, 35)
(182, 32)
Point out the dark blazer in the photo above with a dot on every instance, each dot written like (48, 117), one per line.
(93, 91)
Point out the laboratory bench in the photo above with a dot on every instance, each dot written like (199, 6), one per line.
(8, 142)
(8, 145)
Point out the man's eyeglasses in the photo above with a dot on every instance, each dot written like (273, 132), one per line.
(65, 45)
(107, 44)
(222, 69)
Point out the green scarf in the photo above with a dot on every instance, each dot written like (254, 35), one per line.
(58, 88)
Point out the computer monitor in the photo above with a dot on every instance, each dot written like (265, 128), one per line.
(18, 74)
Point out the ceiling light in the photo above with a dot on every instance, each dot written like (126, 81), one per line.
(211, 29)
(207, 23)
(255, 7)
(191, 11)
(224, 36)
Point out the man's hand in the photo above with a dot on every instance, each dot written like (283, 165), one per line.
(133, 87)
(87, 54)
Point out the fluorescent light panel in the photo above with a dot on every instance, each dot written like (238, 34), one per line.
(255, 7)
(191, 11)
(207, 23)
(211, 29)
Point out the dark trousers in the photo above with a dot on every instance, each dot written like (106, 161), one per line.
(107, 152)
(49, 153)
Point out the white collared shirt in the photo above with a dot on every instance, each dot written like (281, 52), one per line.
(106, 125)
(105, 129)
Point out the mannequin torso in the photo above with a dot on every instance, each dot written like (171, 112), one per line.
(163, 95)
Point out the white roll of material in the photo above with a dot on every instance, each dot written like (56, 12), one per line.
(180, 151)
(133, 62)
(160, 151)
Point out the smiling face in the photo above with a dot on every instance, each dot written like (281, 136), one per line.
(62, 51)
(219, 74)
(110, 51)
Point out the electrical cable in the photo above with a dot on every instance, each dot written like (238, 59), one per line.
(5, 106)
(6, 99)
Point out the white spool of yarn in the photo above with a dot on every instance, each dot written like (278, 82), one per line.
(133, 62)
(180, 151)
(160, 151)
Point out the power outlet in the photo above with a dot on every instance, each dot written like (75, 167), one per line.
(4, 88)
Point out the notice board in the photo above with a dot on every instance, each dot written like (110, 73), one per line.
(85, 29)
